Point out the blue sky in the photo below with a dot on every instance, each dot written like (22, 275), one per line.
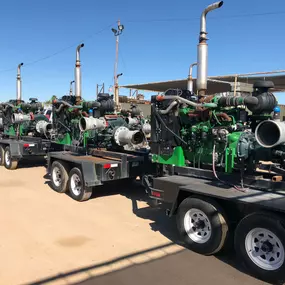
(158, 43)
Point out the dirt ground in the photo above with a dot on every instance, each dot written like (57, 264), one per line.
(114, 238)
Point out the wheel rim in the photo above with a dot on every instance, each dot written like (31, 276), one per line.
(7, 158)
(56, 176)
(197, 226)
(75, 184)
(265, 249)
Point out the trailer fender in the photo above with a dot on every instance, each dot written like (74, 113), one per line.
(89, 174)
(15, 150)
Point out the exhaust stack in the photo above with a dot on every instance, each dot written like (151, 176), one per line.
(19, 84)
(78, 74)
(190, 78)
(202, 55)
(70, 89)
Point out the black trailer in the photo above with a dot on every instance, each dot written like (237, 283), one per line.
(213, 215)
(14, 149)
(78, 172)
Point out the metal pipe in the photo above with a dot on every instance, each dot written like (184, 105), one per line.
(202, 54)
(124, 136)
(183, 100)
(91, 123)
(70, 89)
(270, 133)
(19, 84)
(190, 78)
(169, 108)
(78, 73)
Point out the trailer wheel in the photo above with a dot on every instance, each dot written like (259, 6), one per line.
(2, 151)
(9, 163)
(78, 191)
(59, 176)
(202, 225)
(260, 245)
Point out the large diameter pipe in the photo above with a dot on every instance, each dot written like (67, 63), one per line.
(1, 124)
(91, 123)
(78, 72)
(124, 136)
(19, 84)
(43, 127)
(190, 78)
(202, 52)
(21, 118)
(270, 133)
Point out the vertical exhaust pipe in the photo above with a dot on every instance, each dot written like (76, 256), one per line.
(19, 84)
(202, 56)
(70, 89)
(190, 78)
(78, 74)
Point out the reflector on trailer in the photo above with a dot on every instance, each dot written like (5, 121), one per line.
(155, 194)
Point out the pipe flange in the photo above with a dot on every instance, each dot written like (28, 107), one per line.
(117, 133)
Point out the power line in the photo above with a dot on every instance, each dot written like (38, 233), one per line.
(60, 51)
(211, 17)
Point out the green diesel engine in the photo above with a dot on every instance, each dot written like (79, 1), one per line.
(109, 130)
(23, 119)
(92, 124)
(225, 132)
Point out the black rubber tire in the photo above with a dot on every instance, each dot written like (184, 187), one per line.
(85, 192)
(63, 168)
(260, 220)
(13, 164)
(2, 151)
(218, 222)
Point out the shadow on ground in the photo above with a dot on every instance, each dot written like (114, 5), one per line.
(158, 222)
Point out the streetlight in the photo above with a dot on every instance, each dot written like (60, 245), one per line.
(117, 32)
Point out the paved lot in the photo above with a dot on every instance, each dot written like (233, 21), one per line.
(115, 238)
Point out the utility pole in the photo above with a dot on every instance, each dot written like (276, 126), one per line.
(102, 89)
(117, 32)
